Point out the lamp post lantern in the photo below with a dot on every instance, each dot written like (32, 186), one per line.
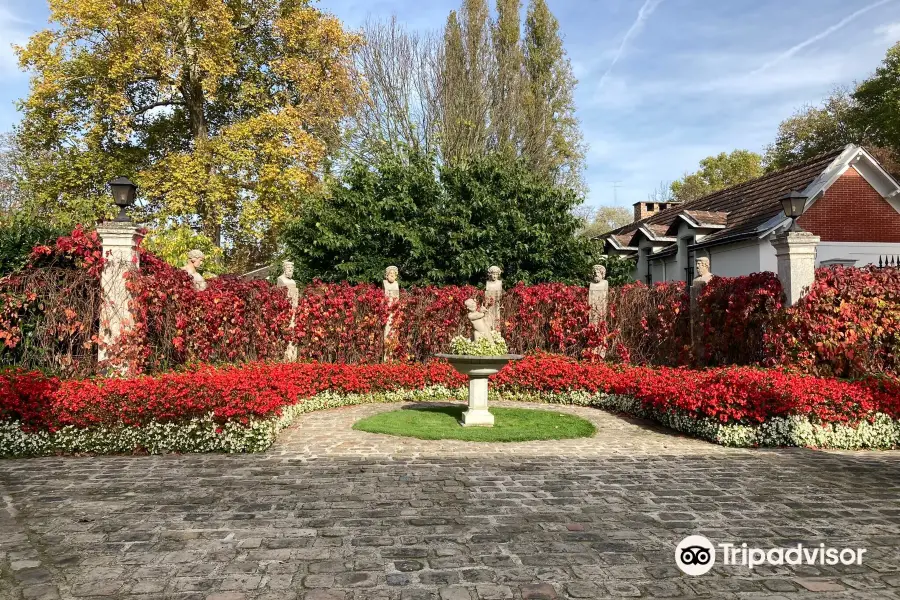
(123, 193)
(793, 203)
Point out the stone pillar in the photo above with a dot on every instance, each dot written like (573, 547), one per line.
(598, 296)
(704, 276)
(120, 250)
(478, 414)
(796, 255)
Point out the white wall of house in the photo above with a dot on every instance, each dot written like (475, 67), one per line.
(670, 268)
(767, 260)
(733, 260)
(658, 270)
(640, 271)
(754, 256)
(865, 253)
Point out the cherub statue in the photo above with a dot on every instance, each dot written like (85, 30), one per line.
(480, 325)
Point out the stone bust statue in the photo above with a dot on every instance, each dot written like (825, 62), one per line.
(600, 282)
(703, 271)
(195, 260)
(598, 293)
(481, 327)
(700, 282)
(391, 287)
(286, 280)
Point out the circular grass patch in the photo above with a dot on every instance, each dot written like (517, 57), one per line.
(510, 424)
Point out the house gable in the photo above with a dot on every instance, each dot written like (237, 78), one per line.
(851, 210)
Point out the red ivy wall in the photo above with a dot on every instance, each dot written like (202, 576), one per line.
(852, 211)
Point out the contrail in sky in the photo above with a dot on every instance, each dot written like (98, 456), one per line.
(795, 49)
(643, 14)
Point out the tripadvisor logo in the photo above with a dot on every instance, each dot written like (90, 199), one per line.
(696, 555)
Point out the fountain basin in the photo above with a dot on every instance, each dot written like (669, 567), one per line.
(478, 369)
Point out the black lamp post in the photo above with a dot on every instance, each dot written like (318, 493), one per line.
(123, 193)
(793, 203)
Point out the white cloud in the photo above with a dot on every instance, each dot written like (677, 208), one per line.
(889, 32)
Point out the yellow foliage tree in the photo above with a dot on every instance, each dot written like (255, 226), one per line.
(222, 111)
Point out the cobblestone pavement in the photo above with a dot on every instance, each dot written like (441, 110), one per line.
(329, 513)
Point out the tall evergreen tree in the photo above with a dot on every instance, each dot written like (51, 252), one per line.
(453, 90)
(466, 77)
(506, 83)
(552, 141)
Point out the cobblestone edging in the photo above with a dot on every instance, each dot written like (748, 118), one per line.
(204, 435)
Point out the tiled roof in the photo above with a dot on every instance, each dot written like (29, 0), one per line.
(622, 240)
(708, 217)
(658, 229)
(747, 205)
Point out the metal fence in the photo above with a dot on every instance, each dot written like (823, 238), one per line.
(888, 261)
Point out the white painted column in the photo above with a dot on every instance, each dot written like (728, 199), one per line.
(478, 414)
(795, 252)
(120, 250)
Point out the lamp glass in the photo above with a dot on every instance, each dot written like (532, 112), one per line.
(123, 193)
(793, 204)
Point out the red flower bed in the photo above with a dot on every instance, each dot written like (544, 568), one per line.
(731, 395)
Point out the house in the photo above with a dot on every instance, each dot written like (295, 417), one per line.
(852, 204)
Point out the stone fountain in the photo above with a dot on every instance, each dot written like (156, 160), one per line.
(478, 368)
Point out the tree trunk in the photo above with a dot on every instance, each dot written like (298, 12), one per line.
(195, 102)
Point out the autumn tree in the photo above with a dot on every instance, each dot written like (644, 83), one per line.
(551, 140)
(717, 173)
(876, 112)
(813, 130)
(221, 110)
(607, 218)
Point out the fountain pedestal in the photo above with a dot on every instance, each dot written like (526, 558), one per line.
(478, 369)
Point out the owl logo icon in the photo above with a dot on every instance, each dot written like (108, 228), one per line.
(695, 555)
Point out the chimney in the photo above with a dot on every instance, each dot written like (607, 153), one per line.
(645, 209)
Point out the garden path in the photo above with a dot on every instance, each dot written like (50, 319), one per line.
(329, 513)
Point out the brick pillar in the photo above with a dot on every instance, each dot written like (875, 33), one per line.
(120, 250)
(796, 255)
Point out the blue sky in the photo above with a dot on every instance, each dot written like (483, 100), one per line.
(662, 83)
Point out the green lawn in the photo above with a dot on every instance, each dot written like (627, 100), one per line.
(510, 424)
